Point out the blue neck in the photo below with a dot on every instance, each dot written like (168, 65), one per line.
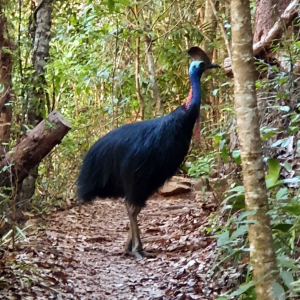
(195, 102)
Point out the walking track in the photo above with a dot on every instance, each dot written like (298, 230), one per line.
(79, 254)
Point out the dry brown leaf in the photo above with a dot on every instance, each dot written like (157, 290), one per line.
(28, 214)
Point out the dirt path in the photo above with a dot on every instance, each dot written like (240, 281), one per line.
(78, 254)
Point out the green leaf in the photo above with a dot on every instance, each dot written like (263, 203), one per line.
(1, 88)
(7, 50)
(274, 170)
(287, 262)
(229, 109)
(246, 214)
(288, 166)
(294, 180)
(243, 288)
(282, 194)
(21, 232)
(224, 84)
(223, 238)
(283, 227)
(215, 92)
(293, 129)
(240, 231)
(111, 5)
(239, 188)
(225, 154)
(217, 139)
(236, 154)
(295, 118)
(297, 44)
(4, 169)
(6, 235)
(285, 142)
(298, 146)
(287, 278)
(222, 143)
(282, 108)
(278, 291)
(293, 209)
(277, 143)
(268, 135)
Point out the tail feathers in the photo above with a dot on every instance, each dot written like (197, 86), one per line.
(98, 177)
(87, 181)
(86, 196)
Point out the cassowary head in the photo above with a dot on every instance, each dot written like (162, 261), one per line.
(200, 62)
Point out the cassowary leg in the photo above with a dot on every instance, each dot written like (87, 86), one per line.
(129, 241)
(134, 244)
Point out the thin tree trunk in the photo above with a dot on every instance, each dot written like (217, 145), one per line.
(152, 76)
(137, 81)
(38, 97)
(137, 72)
(262, 252)
(210, 23)
(5, 84)
(114, 108)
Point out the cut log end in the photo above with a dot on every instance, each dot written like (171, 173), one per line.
(34, 147)
(56, 116)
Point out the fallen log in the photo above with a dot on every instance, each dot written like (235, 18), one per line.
(37, 143)
(290, 13)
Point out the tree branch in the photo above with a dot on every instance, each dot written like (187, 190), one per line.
(192, 2)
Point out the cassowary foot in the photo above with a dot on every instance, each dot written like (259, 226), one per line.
(142, 253)
(139, 254)
(147, 254)
(128, 248)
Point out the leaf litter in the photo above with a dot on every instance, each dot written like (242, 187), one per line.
(79, 254)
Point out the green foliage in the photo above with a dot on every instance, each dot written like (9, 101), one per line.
(202, 165)
(274, 170)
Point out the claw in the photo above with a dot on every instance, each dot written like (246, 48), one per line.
(142, 253)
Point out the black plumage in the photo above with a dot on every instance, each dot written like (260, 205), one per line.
(134, 160)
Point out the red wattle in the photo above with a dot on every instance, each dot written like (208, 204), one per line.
(189, 98)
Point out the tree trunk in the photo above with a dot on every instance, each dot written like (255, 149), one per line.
(5, 84)
(152, 75)
(137, 71)
(267, 13)
(210, 23)
(263, 45)
(38, 96)
(37, 143)
(137, 80)
(262, 252)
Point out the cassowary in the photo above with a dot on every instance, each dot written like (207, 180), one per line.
(134, 160)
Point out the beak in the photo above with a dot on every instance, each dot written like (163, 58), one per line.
(212, 66)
